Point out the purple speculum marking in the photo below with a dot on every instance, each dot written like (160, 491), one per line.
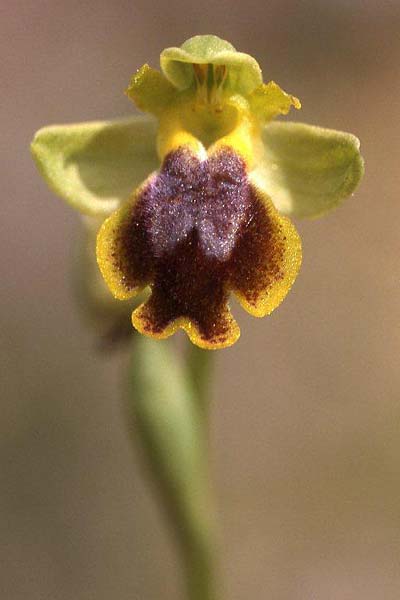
(211, 197)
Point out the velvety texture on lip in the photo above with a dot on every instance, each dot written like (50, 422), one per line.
(194, 232)
(210, 221)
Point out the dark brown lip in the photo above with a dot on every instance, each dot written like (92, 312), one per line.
(196, 231)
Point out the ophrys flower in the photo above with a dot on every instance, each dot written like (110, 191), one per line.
(210, 218)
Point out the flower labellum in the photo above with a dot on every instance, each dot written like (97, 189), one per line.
(199, 194)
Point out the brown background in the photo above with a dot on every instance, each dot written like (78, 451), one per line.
(306, 417)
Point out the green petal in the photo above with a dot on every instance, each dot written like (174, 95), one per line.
(150, 90)
(269, 100)
(94, 166)
(244, 73)
(308, 170)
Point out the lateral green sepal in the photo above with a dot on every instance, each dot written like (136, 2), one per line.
(308, 170)
(95, 166)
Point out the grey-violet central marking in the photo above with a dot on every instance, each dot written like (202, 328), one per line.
(210, 197)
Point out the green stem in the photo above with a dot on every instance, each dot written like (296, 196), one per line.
(201, 563)
(170, 427)
(199, 365)
(200, 577)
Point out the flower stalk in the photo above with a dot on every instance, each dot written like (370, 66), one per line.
(200, 367)
(164, 408)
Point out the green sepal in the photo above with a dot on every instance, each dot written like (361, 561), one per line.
(269, 100)
(150, 90)
(244, 73)
(307, 171)
(95, 166)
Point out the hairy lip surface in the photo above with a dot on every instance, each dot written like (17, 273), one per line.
(210, 197)
(196, 231)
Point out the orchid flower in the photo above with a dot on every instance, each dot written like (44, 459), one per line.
(195, 197)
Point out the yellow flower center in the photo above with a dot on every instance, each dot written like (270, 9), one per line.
(205, 126)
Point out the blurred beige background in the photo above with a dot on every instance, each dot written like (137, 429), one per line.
(306, 417)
